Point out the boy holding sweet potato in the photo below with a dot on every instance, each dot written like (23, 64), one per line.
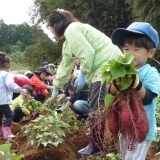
(141, 40)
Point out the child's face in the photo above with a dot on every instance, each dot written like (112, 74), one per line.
(43, 75)
(29, 96)
(140, 54)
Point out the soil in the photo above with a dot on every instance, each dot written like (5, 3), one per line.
(65, 151)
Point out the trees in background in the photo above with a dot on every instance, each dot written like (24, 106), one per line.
(15, 35)
(42, 51)
(147, 11)
(103, 15)
(27, 43)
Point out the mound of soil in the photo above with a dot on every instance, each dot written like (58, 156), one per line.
(65, 151)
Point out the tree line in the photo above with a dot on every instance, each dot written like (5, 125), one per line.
(103, 15)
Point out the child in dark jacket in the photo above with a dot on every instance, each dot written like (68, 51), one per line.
(76, 99)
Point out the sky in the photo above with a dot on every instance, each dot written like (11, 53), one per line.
(15, 12)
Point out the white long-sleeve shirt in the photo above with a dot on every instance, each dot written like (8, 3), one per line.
(7, 87)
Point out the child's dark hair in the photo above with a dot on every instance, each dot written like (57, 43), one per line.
(29, 75)
(28, 88)
(4, 60)
(38, 74)
(138, 40)
(60, 20)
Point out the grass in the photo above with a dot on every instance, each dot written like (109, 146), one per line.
(18, 66)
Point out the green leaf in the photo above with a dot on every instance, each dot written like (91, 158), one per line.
(110, 155)
(126, 60)
(108, 100)
(39, 135)
(65, 125)
(44, 143)
(110, 62)
(120, 59)
(5, 147)
(130, 69)
(125, 82)
(109, 79)
(57, 141)
(105, 75)
(117, 157)
(117, 71)
(25, 102)
(106, 68)
(16, 157)
(7, 153)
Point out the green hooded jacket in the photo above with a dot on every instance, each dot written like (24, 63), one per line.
(93, 48)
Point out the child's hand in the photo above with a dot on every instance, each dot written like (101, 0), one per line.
(136, 84)
(117, 84)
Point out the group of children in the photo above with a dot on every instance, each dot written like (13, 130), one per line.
(31, 85)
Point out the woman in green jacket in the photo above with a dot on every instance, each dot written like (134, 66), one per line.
(92, 47)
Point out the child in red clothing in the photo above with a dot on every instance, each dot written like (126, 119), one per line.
(37, 81)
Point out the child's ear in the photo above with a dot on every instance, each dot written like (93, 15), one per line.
(152, 52)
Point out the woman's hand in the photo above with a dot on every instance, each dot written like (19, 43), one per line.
(55, 93)
(80, 81)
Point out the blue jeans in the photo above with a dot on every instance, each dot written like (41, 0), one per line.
(80, 106)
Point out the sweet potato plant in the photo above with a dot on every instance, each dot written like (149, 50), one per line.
(49, 128)
(7, 154)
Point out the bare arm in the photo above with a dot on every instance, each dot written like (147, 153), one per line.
(62, 97)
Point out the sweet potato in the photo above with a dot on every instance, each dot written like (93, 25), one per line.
(113, 124)
(140, 121)
(129, 115)
(125, 115)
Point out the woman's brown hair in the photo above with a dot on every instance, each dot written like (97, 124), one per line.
(60, 19)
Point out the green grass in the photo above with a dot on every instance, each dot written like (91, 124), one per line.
(18, 66)
(16, 62)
